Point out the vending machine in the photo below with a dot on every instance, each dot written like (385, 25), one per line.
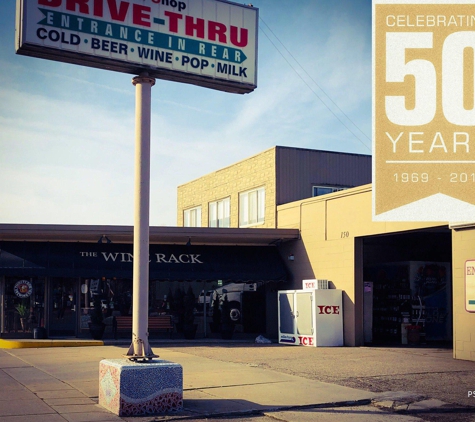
(311, 317)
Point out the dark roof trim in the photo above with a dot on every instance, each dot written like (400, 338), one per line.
(167, 262)
(162, 235)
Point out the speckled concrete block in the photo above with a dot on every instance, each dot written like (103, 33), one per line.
(135, 388)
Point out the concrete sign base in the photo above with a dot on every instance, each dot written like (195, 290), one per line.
(140, 388)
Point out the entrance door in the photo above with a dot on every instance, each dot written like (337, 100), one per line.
(63, 307)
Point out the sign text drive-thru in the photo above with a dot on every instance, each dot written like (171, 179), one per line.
(210, 43)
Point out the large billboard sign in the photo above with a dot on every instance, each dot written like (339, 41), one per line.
(210, 43)
(423, 110)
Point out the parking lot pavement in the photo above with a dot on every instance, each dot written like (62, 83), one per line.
(420, 381)
(247, 381)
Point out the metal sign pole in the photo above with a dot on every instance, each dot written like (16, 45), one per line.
(140, 347)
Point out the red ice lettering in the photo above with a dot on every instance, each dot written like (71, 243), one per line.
(326, 309)
(306, 341)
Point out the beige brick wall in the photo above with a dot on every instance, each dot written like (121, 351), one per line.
(330, 249)
(463, 249)
(331, 228)
(251, 173)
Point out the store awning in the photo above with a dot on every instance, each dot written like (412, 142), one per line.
(167, 262)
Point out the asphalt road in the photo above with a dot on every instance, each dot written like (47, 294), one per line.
(423, 372)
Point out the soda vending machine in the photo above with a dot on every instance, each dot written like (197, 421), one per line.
(311, 317)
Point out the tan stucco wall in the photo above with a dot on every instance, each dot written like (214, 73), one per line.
(248, 174)
(463, 249)
(330, 246)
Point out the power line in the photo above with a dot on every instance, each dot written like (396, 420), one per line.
(311, 89)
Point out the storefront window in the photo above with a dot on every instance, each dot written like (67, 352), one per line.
(23, 306)
(62, 317)
(115, 296)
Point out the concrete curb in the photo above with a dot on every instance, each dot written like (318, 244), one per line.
(264, 411)
(36, 343)
(25, 344)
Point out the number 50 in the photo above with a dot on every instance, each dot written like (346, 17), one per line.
(424, 74)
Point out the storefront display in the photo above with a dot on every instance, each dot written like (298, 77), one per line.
(54, 285)
(414, 294)
(23, 305)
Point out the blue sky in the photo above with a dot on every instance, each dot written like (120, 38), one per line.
(67, 132)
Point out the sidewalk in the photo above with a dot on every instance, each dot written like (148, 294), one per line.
(61, 384)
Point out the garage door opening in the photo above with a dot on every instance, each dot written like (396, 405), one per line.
(408, 288)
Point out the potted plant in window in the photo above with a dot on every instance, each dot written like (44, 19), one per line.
(227, 324)
(189, 327)
(22, 310)
(96, 325)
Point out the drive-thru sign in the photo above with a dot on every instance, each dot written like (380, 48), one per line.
(210, 43)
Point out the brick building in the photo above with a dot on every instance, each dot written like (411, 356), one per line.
(247, 193)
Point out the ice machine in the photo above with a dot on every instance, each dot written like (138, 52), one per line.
(311, 317)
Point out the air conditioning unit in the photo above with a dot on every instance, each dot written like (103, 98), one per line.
(313, 284)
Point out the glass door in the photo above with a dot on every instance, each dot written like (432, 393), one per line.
(286, 313)
(63, 307)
